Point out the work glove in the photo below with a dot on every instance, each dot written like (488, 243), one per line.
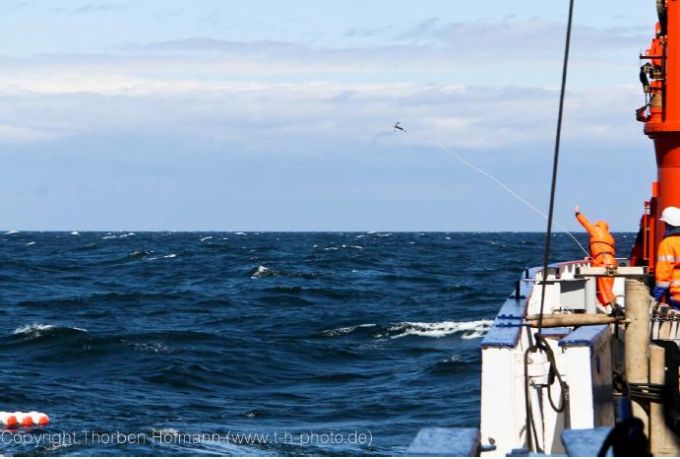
(658, 293)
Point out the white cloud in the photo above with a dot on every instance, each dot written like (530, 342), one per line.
(513, 38)
(93, 8)
(263, 95)
(264, 116)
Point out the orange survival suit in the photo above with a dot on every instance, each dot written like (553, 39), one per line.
(668, 269)
(603, 253)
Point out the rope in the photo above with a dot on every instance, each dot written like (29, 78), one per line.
(512, 192)
(540, 344)
(556, 159)
(505, 187)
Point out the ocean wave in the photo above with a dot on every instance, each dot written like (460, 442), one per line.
(40, 330)
(345, 330)
(207, 238)
(454, 364)
(151, 348)
(10, 232)
(262, 271)
(195, 376)
(118, 236)
(172, 255)
(470, 330)
(30, 243)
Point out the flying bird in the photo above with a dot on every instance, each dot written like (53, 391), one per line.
(397, 126)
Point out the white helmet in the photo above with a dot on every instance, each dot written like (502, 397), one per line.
(671, 215)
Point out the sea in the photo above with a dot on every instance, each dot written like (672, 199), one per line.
(245, 343)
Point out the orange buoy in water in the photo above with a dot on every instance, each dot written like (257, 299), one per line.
(24, 419)
(40, 419)
(19, 419)
(8, 420)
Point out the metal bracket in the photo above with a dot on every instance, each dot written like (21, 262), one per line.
(611, 271)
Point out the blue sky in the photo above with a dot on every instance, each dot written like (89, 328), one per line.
(264, 115)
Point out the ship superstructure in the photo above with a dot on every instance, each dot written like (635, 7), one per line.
(563, 375)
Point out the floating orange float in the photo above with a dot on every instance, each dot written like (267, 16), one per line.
(20, 419)
(8, 420)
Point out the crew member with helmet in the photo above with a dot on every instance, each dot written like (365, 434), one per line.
(667, 287)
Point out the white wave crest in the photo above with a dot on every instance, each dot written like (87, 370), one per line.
(207, 238)
(75, 233)
(345, 330)
(155, 348)
(262, 271)
(10, 232)
(471, 330)
(24, 329)
(30, 243)
(38, 329)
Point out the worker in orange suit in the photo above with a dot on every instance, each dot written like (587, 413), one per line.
(668, 261)
(603, 253)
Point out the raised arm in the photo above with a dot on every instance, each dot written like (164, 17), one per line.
(584, 221)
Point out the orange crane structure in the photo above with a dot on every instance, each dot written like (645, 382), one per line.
(660, 77)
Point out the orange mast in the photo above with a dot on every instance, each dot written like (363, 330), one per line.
(660, 76)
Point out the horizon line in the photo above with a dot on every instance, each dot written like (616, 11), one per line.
(19, 231)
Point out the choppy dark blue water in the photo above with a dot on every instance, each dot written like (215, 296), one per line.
(239, 344)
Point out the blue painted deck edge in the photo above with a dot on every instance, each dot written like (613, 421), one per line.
(557, 331)
(587, 335)
(503, 333)
(585, 442)
(506, 328)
